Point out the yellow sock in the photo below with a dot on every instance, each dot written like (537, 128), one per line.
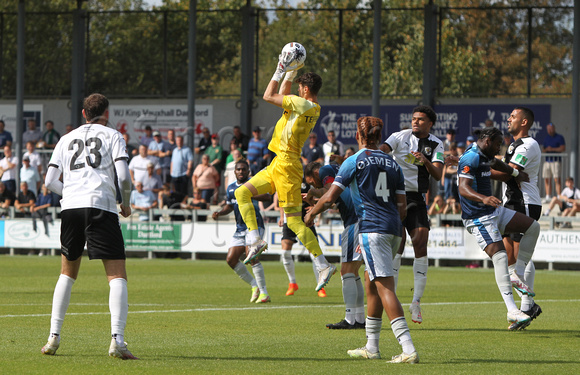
(244, 199)
(304, 234)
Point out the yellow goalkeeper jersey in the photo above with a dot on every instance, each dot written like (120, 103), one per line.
(293, 128)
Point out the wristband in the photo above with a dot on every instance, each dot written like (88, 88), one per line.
(515, 172)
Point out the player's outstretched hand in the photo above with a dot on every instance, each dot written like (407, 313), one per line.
(125, 210)
(215, 215)
(308, 219)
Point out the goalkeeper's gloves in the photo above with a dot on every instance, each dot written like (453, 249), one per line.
(290, 75)
(283, 62)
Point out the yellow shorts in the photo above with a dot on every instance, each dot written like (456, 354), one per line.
(282, 177)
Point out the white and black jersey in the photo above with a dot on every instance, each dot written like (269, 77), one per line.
(86, 158)
(525, 153)
(416, 174)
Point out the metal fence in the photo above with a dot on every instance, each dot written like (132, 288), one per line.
(481, 52)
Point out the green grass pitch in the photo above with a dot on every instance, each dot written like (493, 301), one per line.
(193, 317)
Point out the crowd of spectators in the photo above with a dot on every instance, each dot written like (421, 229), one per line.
(165, 174)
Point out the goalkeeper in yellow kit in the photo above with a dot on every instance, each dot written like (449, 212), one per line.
(284, 174)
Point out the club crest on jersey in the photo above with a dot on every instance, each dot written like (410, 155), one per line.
(465, 169)
(428, 150)
(511, 149)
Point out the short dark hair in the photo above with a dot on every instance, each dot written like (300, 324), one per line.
(311, 167)
(528, 114)
(426, 110)
(311, 80)
(242, 161)
(95, 106)
(491, 133)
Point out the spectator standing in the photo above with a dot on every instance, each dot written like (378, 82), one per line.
(171, 139)
(7, 199)
(8, 169)
(204, 142)
(553, 143)
(143, 201)
(241, 139)
(233, 147)
(50, 137)
(181, 166)
(205, 177)
(25, 200)
(257, 152)
(30, 175)
(332, 147)
(312, 151)
(40, 209)
(215, 152)
(131, 150)
(160, 149)
(35, 157)
(138, 165)
(68, 128)
(32, 134)
(152, 181)
(5, 136)
(147, 138)
(449, 138)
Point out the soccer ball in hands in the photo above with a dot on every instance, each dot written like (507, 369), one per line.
(293, 56)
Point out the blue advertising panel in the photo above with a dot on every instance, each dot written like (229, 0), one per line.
(464, 119)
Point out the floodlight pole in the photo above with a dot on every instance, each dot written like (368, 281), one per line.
(19, 90)
(191, 54)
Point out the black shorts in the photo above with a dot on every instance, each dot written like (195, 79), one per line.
(532, 210)
(416, 212)
(99, 229)
(288, 234)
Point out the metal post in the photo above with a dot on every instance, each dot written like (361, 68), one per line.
(340, 51)
(191, 54)
(574, 166)
(78, 64)
(376, 110)
(19, 89)
(529, 52)
(247, 69)
(430, 54)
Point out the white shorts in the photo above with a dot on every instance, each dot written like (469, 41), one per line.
(349, 242)
(378, 250)
(488, 229)
(240, 238)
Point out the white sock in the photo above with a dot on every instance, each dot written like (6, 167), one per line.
(288, 263)
(360, 301)
(402, 334)
(349, 295)
(314, 267)
(258, 271)
(527, 247)
(119, 307)
(373, 331)
(242, 271)
(60, 302)
(420, 266)
(254, 236)
(529, 277)
(396, 267)
(321, 262)
(502, 279)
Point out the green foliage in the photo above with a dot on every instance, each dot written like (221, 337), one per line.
(135, 53)
(193, 317)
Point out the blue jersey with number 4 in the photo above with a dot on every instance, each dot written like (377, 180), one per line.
(374, 179)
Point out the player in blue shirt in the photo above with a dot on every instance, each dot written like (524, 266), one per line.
(321, 178)
(377, 187)
(486, 219)
(239, 243)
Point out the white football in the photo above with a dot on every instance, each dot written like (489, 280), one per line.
(295, 53)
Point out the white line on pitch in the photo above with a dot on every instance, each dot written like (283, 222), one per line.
(224, 308)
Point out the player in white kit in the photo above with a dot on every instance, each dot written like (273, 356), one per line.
(92, 160)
